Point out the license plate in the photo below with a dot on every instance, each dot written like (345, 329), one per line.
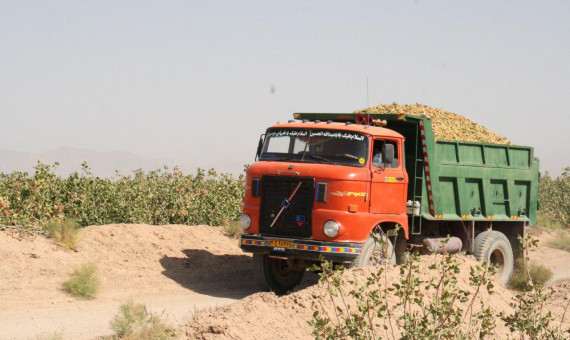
(280, 244)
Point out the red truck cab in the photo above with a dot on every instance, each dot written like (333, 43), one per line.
(321, 189)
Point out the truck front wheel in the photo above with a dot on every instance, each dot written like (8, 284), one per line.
(275, 274)
(495, 248)
(374, 252)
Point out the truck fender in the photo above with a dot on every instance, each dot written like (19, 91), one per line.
(390, 222)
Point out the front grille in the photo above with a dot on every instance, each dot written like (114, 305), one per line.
(295, 221)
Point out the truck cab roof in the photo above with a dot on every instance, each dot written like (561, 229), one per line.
(374, 131)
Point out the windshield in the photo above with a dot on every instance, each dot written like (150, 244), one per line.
(315, 146)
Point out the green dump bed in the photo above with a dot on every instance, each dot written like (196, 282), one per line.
(454, 180)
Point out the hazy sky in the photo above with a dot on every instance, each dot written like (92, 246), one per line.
(192, 80)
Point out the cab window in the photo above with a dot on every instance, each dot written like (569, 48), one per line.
(380, 150)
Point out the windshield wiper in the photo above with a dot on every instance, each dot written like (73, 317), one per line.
(285, 159)
(320, 157)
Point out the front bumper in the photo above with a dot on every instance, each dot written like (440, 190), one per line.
(300, 249)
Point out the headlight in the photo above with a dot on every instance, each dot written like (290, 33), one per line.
(245, 221)
(331, 228)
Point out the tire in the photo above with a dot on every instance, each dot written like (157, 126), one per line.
(372, 247)
(400, 249)
(275, 275)
(495, 248)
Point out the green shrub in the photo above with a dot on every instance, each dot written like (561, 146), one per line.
(232, 229)
(65, 233)
(528, 319)
(156, 329)
(547, 221)
(83, 282)
(416, 308)
(538, 273)
(423, 310)
(554, 198)
(131, 317)
(155, 197)
(519, 280)
(561, 241)
(134, 322)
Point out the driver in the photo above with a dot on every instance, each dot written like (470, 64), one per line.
(377, 155)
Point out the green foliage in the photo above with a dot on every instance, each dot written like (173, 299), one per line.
(83, 282)
(554, 198)
(424, 310)
(561, 241)
(520, 281)
(232, 229)
(539, 273)
(156, 197)
(412, 308)
(63, 232)
(548, 222)
(133, 321)
(528, 319)
(131, 317)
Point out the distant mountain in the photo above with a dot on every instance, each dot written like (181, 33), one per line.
(102, 164)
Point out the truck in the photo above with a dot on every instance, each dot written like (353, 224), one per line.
(333, 185)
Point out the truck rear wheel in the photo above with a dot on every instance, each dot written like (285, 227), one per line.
(275, 274)
(374, 252)
(495, 248)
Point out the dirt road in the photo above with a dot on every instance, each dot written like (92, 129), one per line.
(88, 319)
(172, 269)
(556, 260)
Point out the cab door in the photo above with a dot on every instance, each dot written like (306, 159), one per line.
(389, 185)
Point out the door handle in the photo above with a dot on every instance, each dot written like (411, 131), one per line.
(400, 178)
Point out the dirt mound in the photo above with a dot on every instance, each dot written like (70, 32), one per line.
(267, 316)
(446, 125)
(130, 258)
(560, 298)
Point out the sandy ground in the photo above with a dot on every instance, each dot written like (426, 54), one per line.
(557, 260)
(266, 316)
(179, 272)
(173, 269)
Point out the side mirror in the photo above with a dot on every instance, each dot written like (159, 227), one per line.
(388, 152)
(259, 146)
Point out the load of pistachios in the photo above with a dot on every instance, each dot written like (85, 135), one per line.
(446, 125)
